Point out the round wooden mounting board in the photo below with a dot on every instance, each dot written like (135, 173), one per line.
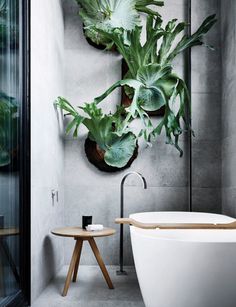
(96, 158)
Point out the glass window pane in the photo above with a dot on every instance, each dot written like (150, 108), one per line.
(10, 104)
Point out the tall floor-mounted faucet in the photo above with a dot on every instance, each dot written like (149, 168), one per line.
(121, 271)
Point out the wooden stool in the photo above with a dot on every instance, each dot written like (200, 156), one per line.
(5, 252)
(81, 235)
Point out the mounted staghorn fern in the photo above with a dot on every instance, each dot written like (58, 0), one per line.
(115, 142)
(112, 14)
(8, 137)
(3, 28)
(6, 27)
(150, 81)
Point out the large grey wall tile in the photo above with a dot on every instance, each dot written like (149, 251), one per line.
(47, 148)
(206, 111)
(229, 161)
(202, 9)
(207, 200)
(206, 70)
(47, 252)
(206, 164)
(206, 116)
(206, 64)
(229, 108)
(228, 11)
(228, 34)
(229, 201)
(161, 166)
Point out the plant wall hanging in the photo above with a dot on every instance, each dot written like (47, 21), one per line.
(9, 118)
(6, 27)
(150, 82)
(112, 14)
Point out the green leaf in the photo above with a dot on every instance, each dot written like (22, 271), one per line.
(121, 150)
(151, 95)
(3, 8)
(77, 120)
(107, 15)
(9, 119)
(151, 99)
(122, 15)
(150, 74)
(153, 32)
(66, 106)
(108, 131)
(101, 129)
(170, 121)
(171, 32)
(92, 110)
(128, 82)
(193, 40)
(5, 158)
(149, 2)
(167, 85)
(113, 14)
(142, 6)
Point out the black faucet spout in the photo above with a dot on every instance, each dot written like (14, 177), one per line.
(121, 271)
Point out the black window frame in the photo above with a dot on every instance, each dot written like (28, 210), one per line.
(24, 296)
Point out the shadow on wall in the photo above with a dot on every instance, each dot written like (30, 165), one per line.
(49, 257)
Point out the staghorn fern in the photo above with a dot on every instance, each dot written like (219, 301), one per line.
(150, 80)
(9, 31)
(110, 132)
(151, 68)
(3, 8)
(8, 136)
(112, 14)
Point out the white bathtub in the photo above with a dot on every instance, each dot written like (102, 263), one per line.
(185, 268)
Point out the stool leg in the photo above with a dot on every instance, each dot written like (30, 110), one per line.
(6, 250)
(71, 268)
(101, 263)
(77, 260)
(2, 284)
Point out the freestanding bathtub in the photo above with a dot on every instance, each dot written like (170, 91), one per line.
(185, 268)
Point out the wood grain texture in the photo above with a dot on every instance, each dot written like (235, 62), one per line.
(78, 232)
(101, 263)
(2, 275)
(80, 242)
(72, 267)
(137, 224)
(80, 235)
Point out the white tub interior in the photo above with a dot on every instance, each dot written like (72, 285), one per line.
(188, 235)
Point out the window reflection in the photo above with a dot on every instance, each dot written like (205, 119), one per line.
(10, 105)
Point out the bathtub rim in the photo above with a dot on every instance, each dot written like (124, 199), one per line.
(203, 236)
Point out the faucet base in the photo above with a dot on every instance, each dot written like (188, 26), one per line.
(120, 273)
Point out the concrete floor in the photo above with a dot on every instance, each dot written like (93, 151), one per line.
(90, 290)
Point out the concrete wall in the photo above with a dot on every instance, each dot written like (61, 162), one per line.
(228, 35)
(47, 158)
(206, 112)
(88, 72)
